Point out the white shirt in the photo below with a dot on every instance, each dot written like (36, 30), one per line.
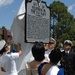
(47, 55)
(9, 64)
(53, 70)
(67, 51)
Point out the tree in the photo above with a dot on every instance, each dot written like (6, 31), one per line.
(3, 27)
(62, 22)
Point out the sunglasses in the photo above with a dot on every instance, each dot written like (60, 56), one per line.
(6, 45)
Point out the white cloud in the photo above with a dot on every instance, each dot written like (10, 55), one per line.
(5, 2)
(71, 7)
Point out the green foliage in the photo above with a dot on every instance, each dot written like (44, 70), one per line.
(62, 22)
(73, 43)
(3, 27)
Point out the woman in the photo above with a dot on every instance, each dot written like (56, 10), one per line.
(51, 68)
(8, 64)
(38, 51)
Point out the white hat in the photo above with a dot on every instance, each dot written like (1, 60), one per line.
(2, 43)
(53, 40)
(68, 42)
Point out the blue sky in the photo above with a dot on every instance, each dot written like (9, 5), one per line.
(9, 9)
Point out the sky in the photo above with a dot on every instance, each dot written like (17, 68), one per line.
(10, 8)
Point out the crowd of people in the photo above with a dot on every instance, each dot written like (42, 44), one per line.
(48, 59)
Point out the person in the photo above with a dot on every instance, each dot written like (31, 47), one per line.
(68, 58)
(38, 51)
(51, 68)
(10, 42)
(8, 64)
(49, 47)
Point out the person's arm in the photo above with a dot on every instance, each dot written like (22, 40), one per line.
(16, 54)
(19, 49)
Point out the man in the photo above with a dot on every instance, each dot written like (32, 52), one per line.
(68, 58)
(49, 47)
(8, 64)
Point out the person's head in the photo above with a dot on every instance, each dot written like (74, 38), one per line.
(3, 47)
(67, 45)
(52, 43)
(55, 56)
(9, 40)
(38, 51)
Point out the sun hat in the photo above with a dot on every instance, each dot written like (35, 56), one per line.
(2, 44)
(68, 42)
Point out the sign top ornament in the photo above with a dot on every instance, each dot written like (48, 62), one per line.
(39, 2)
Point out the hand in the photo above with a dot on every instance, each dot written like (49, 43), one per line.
(19, 46)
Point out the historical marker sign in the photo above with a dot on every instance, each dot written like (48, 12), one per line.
(37, 22)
